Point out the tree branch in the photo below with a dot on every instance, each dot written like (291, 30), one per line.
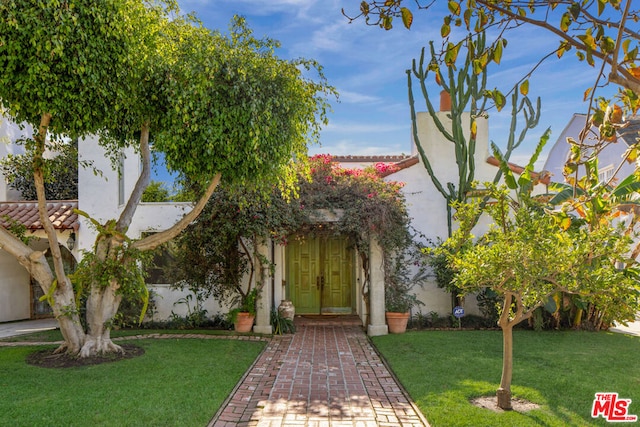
(47, 225)
(153, 241)
(141, 184)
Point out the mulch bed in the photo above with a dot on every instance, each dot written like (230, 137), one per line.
(47, 359)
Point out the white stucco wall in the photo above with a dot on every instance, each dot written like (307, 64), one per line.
(15, 294)
(426, 205)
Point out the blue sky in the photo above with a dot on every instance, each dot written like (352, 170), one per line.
(367, 66)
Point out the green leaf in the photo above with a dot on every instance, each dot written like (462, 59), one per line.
(364, 8)
(509, 179)
(454, 7)
(445, 30)
(451, 54)
(499, 99)
(524, 87)
(550, 306)
(565, 22)
(497, 52)
(407, 17)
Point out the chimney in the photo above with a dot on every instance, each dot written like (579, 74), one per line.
(445, 101)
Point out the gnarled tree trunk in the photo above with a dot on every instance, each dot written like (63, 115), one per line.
(102, 306)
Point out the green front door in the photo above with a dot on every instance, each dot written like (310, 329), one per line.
(320, 275)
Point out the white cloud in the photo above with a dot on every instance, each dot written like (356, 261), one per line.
(349, 97)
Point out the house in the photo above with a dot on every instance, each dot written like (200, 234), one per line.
(102, 196)
(608, 159)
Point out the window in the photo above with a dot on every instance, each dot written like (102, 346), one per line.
(605, 174)
(157, 269)
(121, 179)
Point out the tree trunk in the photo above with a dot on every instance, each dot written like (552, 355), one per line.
(64, 306)
(102, 306)
(504, 392)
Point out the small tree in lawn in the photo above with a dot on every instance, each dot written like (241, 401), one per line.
(527, 256)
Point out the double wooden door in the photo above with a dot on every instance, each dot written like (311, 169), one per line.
(320, 275)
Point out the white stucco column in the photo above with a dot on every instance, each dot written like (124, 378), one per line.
(263, 313)
(377, 325)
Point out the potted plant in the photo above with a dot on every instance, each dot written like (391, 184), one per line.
(398, 303)
(397, 291)
(243, 316)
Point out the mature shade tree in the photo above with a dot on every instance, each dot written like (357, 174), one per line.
(219, 107)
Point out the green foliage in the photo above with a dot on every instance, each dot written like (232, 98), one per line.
(281, 325)
(196, 316)
(128, 315)
(595, 31)
(219, 249)
(60, 172)
(156, 191)
(18, 229)
(489, 302)
(237, 109)
(439, 263)
(64, 59)
(215, 252)
(528, 256)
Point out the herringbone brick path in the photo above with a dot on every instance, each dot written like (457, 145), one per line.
(327, 374)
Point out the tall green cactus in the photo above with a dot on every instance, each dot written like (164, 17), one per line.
(466, 85)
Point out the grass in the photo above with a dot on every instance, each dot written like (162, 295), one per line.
(561, 371)
(176, 382)
(55, 335)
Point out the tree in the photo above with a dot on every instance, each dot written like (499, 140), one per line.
(601, 30)
(529, 255)
(218, 253)
(219, 107)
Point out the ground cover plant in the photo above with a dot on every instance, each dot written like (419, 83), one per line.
(560, 371)
(175, 382)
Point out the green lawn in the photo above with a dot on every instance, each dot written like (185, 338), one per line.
(177, 382)
(561, 371)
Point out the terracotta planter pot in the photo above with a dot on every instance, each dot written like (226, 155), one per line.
(244, 322)
(397, 322)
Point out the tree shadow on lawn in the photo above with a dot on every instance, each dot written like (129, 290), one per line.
(48, 359)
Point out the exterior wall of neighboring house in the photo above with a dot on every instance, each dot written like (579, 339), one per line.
(608, 159)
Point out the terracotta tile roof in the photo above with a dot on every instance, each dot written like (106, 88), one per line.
(543, 177)
(371, 159)
(399, 161)
(60, 212)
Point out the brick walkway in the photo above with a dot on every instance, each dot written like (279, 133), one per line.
(327, 374)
